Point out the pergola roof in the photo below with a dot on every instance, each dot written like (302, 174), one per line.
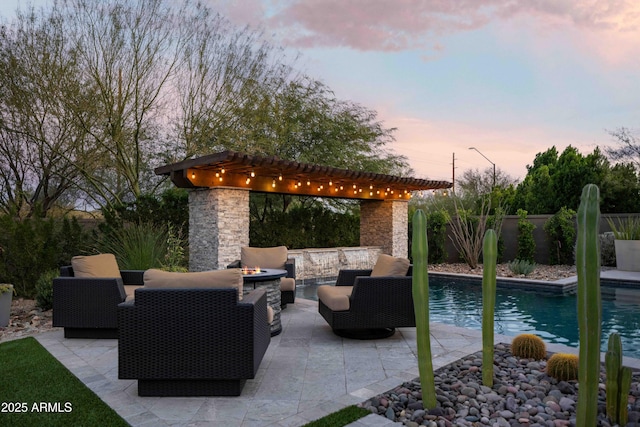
(274, 175)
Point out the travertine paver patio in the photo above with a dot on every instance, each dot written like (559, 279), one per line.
(307, 373)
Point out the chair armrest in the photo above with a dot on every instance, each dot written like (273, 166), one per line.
(86, 302)
(348, 277)
(378, 293)
(132, 277)
(235, 264)
(290, 266)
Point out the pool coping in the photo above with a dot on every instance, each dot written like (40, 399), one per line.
(617, 278)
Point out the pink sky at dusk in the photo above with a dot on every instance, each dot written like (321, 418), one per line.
(509, 77)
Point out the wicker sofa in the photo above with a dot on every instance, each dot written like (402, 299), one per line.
(365, 304)
(192, 342)
(87, 307)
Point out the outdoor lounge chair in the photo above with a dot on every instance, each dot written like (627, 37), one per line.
(275, 257)
(369, 304)
(87, 294)
(192, 341)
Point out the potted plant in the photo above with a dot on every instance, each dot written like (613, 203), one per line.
(627, 243)
(6, 293)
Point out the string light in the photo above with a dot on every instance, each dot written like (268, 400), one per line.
(222, 170)
(280, 177)
(253, 174)
(248, 180)
(193, 175)
(273, 184)
(308, 182)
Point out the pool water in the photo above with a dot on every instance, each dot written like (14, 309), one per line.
(553, 317)
(550, 316)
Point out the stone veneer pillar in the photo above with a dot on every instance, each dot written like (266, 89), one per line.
(218, 227)
(385, 224)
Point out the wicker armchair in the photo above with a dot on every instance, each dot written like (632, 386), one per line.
(275, 257)
(87, 307)
(365, 307)
(192, 342)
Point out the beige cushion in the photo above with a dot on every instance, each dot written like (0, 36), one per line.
(269, 314)
(263, 257)
(103, 265)
(386, 265)
(335, 297)
(227, 278)
(287, 284)
(130, 290)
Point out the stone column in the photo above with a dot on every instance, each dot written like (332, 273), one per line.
(385, 224)
(218, 227)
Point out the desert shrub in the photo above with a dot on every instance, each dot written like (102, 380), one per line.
(526, 243)
(437, 235)
(561, 234)
(29, 247)
(607, 249)
(175, 258)
(44, 289)
(137, 246)
(305, 227)
(521, 267)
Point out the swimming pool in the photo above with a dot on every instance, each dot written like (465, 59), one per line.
(551, 316)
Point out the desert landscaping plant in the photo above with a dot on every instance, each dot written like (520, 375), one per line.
(618, 382)
(589, 304)
(526, 243)
(625, 229)
(489, 255)
(420, 289)
(521, 267)
(561, 235)
(529, 346)
(563, 367)
(44, 289)
(468, 230)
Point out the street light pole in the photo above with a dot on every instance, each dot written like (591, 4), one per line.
(494, 165)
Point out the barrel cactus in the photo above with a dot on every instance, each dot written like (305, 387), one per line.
(420, 290)
(529, 346)
(563, 366)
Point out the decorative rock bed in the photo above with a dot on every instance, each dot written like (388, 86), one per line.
(522, 395)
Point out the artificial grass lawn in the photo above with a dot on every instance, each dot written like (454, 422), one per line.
(44, 392)
(341, 418)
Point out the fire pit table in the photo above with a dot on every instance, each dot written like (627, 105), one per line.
(270, 280)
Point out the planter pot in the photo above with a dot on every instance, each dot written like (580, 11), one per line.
(628, 255)
(5, 308)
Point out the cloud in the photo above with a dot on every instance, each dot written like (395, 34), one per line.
(395, 25)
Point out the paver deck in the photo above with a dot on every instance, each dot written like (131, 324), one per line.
(307, 373)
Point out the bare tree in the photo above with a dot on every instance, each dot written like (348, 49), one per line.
(36, 74)
(628, 149)
(475, 182)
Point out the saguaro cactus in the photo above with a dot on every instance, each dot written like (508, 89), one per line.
(618, 381)
(589, 304)
(420, 290)
(489, 257)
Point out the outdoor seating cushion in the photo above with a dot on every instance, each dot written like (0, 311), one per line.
(99, 266)
(335, 297)
(287, 284)
(387, 265)
(227, 278)
(274, 257)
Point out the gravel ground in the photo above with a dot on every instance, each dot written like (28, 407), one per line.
(522, 395)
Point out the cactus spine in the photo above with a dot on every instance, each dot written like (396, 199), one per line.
(489, 257)
(589, 304)
(618, 381)
(529, 346)
(420, 290)
(563, 366)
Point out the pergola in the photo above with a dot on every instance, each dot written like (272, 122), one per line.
(219, 201)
